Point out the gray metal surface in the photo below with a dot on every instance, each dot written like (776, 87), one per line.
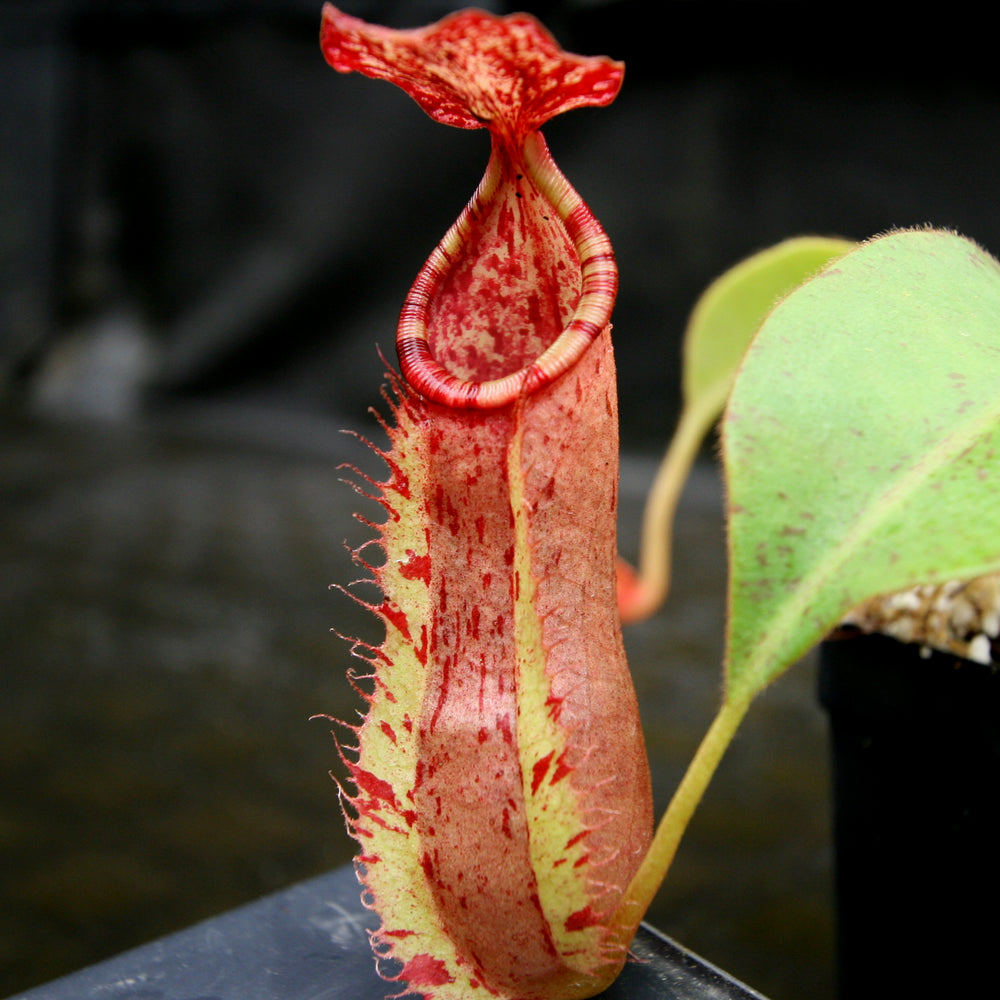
(310, 942)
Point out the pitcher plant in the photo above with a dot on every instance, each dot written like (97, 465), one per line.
(501, 797)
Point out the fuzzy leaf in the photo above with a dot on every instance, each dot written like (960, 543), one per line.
(861, 443)
(732, 307)
(721, 326)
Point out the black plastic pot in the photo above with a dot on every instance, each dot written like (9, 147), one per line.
(311, 942)
(916, 753)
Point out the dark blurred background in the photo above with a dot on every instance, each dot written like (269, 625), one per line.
(205, 232)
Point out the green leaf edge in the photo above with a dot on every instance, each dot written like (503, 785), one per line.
(771, 655)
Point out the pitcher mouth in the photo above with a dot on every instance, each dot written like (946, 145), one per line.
(598, 288)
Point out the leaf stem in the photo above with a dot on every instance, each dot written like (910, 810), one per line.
(660, 855)
(655, 545)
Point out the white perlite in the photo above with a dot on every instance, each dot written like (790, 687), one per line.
(955, 617)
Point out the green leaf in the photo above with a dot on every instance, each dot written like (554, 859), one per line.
(861, 444)
(731, 309)
(721, 326)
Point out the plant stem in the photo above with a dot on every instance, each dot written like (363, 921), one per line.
(655, 865)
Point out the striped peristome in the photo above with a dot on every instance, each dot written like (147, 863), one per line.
(599, 286)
